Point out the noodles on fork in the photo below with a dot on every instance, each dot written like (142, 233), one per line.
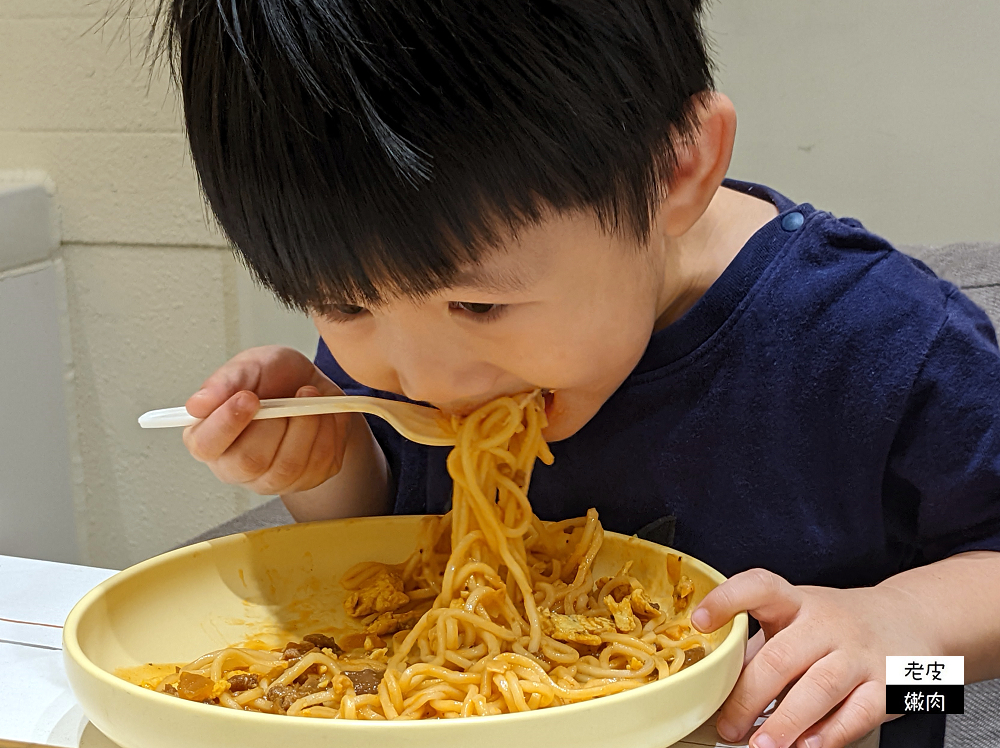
(494, 612)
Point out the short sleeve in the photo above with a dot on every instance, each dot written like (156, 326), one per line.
(387, 437)
(947, 448)
(407, 461)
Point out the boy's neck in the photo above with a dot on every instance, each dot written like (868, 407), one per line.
(693, 261)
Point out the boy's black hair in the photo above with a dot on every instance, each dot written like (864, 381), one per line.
(354, 149)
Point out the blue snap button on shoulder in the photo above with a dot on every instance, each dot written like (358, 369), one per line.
(792, 221)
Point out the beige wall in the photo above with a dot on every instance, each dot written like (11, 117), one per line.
(155, 300)
(885, 110)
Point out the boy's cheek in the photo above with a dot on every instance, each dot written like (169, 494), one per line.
(569, 413)
(361, 362)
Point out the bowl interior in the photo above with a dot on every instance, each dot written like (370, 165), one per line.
(282, 583)
(278, 584)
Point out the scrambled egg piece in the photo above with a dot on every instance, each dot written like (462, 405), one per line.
(619, 591)
(677, 632)
(683, 591)
(642, 605)
(628, 612)
(389, 623)
(383, 593)
(625, 620)
(574, 628)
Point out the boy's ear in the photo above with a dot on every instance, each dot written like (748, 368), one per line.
(702, 162)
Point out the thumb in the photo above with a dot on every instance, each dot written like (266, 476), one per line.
(320, 386)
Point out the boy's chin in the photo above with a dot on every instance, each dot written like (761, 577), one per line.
(557, 432)
(563, 421)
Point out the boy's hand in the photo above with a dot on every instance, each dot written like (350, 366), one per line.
(274, 456)
(832, 642)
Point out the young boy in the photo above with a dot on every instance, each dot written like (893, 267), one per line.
(478, 198)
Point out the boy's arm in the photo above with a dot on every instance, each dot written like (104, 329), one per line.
(944, 472)
(370, 482)
(834, 643)
(362, 487)
(958, 602)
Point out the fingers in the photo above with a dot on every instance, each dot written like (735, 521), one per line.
(238, 374)
(778, 660)
(292, 456)
(781, 660)
(753, 647)
(862, 711)
(825, 685)
(252, 454)
(268, 371)
(280, 455)
(306, 455)
(812, 647)
(327, 455)
(208, 440)
(268, 456)
(766, 596)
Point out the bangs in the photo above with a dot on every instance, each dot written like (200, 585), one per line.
(355, 150)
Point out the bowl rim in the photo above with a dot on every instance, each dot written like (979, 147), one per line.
(72, 649)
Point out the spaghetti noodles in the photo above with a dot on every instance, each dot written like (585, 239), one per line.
(494, 612)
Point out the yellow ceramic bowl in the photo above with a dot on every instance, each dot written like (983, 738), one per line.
(284, 581)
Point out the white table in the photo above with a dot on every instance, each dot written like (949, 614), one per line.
(36, 704)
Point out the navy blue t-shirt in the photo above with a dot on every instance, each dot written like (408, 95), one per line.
(828, 410)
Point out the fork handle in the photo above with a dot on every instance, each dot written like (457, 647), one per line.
(281, 407)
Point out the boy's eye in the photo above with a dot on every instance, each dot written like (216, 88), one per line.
(478, 312)
(475, 308)
(341, 312)
(348, 310)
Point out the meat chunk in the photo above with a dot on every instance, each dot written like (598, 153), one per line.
(322, 641)
(693, 655)
(294, 650)
(382, 594)
(578, 629)
(390, 623)
(239, 682)
(624, 618)
(365, 681)
(361, 640)
(285, 696)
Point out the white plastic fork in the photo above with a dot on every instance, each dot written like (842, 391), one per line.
(417, 423)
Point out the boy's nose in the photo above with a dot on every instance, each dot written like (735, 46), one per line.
(454, 388)
(448, 393)
(436, 367)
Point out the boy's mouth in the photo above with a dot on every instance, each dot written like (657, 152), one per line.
(465, 410)
(549, 396)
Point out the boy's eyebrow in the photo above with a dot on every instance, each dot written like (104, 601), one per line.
(485, 278)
